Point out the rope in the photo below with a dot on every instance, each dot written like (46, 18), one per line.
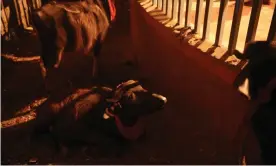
(20, 59)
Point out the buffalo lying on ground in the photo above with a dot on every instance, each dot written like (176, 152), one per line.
(258, 82)
(72, 26)
(89, 114)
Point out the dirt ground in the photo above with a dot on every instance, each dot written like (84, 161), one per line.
(164, 144)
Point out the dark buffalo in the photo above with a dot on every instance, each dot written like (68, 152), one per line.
(72, 26)
(258, 82)
(89, 114)
(260, 70)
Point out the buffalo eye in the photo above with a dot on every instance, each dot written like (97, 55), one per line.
(130, 97)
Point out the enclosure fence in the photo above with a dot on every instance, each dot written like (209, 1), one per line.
(16, 14)
(180, 11)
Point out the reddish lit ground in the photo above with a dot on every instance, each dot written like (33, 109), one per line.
(172, 136)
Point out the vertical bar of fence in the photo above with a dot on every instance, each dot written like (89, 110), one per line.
(16, 6)
(170, 8)
(175, 10)
(235, 26)
(221, 22)
(188, 11)
(207, 17)
(272, 30)
(3, 29)
(22, 14)
(254, 19)
(198, 16)
(181, 13)
(159, 4)
(167, 7)
(38, 3)
(26, 12)
(30, 6)
(164, 6)
(4, 18)
(155, 3)
(179, 8)
(34, 4)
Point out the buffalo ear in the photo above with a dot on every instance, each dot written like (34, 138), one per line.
(244, 89)
(103, 90)
(239, 55)
(158, 100)
(106, 89)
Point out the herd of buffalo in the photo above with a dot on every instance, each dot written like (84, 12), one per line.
(117, 112)
(85, 116)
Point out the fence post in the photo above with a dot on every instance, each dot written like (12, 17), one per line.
(26, 12)
(16, 7)
(221, 22)
(272, 30)
(155, 3)
(170, 8)
(181, 12)
(254, 20)
(198, 16)
(235, 26)
(206, 26)
(159, 4)
(188, 11)
(4, 19)
(175, 10)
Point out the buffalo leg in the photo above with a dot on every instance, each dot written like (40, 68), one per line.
(59, 57)
(44, 76)
(96, 52)
(43, 69)
(95, 66)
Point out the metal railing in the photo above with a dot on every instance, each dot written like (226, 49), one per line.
(16, 14)
(180, 11)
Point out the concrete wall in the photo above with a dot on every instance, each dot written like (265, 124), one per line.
(203, 83)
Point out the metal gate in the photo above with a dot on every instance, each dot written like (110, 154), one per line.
(16, 14)
(200, 12)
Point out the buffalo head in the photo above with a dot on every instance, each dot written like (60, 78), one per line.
(130, 100)
(258, 78)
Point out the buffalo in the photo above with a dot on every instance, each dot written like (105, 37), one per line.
(74, 27)
(260, 71)
(97, 113)
(257, 81)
